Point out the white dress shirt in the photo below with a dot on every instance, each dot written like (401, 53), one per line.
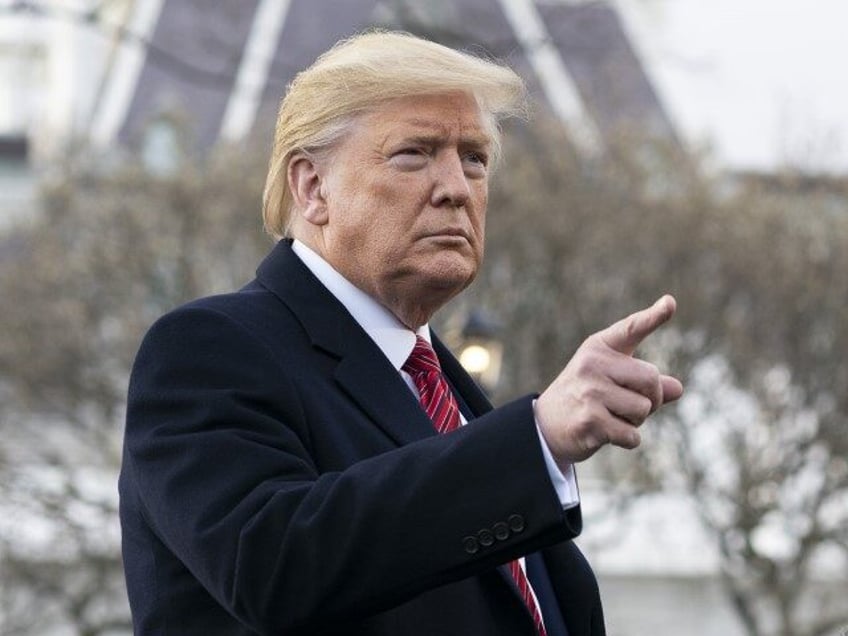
(396, 341)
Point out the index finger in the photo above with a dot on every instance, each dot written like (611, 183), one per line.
(626, 334)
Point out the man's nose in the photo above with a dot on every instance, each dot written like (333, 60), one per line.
(451, 184)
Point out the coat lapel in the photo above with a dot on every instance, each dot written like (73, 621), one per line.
(362, 371)
(463, 385)
(383, 394)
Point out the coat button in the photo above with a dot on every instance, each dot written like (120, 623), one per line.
(516, 523)
(470, 545)
(501, 531)
(485, 537)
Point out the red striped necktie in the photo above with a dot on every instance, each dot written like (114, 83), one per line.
(433, 390)
(440, 405)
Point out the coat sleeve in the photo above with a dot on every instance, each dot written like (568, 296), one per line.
(218, 458)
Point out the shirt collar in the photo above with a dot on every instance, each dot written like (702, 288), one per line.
(395, 340)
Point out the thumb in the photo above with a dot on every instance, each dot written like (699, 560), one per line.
(672, 388)
(626, 334)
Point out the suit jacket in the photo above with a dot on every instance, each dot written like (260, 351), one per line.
(280, 478)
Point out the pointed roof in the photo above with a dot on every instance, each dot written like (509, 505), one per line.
(223, 67)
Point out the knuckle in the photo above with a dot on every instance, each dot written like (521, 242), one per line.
(645, 408)
(583, 426)
(628, 439)
(589, 430)
(652, 373)
(591, 442)
(589, 418)
(648, 374)
(585, 361)
(650, 384)
(591, 394)
(630, 330)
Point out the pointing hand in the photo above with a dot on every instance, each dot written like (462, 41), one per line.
(604, 394)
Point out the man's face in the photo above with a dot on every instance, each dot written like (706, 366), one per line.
(406, 194)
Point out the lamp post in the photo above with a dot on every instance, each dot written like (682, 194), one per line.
(481, 350)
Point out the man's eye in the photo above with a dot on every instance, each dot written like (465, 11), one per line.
(478, 158)
(475, 164)
(410, 158)
(411, 151)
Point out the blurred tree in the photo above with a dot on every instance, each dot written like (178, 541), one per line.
(763, 443)
(111, 250)
(760, 440)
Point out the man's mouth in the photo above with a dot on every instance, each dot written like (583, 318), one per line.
(449, 234)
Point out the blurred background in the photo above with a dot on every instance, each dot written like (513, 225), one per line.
(678, 146)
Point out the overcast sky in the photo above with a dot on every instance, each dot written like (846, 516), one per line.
(763, 82)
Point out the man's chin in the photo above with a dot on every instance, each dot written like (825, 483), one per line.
(444, 273)
(416, 293)
(451, 278)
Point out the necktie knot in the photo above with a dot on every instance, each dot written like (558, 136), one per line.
(422, 359)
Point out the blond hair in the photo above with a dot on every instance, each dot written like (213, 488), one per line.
(358, 74)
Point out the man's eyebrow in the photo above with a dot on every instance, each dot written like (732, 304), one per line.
(474, 137)
(424, 123)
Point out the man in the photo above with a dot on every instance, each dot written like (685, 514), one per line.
(280, 475)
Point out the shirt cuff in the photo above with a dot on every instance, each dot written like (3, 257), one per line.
(564, 481)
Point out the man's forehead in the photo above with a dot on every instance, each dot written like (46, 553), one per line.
(427, 122)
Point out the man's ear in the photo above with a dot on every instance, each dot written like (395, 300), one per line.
(306, 186)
